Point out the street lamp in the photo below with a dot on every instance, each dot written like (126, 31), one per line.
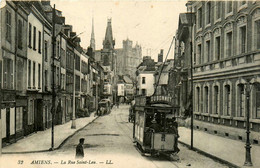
(248, 161)
(189, 10)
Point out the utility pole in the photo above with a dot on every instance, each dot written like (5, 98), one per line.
(73, 124)
(53, 111)
(248, 161)
(189, 9)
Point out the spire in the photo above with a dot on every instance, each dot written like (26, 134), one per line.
(92, 40)
(109, 43)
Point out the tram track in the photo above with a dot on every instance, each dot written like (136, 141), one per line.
(118, 117)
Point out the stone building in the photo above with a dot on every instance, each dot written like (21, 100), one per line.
(128, 58)
(145, 77)
(226, 57)
(13, 70)
(180, 74)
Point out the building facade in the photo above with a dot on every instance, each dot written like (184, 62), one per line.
(128, 58)
(145, 77)
(226, 59)
(32, 62)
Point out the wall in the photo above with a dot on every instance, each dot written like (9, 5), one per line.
(149, 83)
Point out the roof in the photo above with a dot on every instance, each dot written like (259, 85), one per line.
(127, 79)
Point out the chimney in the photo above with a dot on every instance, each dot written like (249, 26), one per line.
(160, 56)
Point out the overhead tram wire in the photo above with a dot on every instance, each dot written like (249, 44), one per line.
(163, 66)
(162, 43)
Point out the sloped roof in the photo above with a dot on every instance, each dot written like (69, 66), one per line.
(127, 79)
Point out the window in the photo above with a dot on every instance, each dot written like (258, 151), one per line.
(8, 26)
(46, 78)
(218, 10)
(39, 76)
(257, 98)
(206, 89)
(20, 31)
(257, 34)
(34, 37)
(30, 35)
(216, 99)
(241, 105)
(227, 100)
(34, 75)
(198, 99)
(0, 75)
(8, 73)
(229, 6)
(229, 44)
(199, 17)
(208, 13)
(77, 62)
(19, 118)
(143, 80)
(63, 81)
(242, 39)
(106, 60)
(207, 51)
(58, 49)
(58, 76)
(217, 48)
(199, 54)
(29, 73)
(39, 42)
(144, 92)
(46, 50)
(77, 85)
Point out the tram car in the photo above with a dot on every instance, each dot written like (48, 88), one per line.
(155, 131)
(104, 107)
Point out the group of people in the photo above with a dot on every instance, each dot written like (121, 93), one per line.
(171, 127)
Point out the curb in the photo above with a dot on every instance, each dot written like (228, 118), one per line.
(62, 143)
(229, 164)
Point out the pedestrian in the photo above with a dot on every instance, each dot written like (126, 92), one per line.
(79, 149)
(175, 127)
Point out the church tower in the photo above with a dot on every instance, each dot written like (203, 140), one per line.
(92, 40)
(108, 62)
(107, 53)
(109, 42)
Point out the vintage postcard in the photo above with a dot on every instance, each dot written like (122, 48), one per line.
(128, 83)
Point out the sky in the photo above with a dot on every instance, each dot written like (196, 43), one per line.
(150, 23)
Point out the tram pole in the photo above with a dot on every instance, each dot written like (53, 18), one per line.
(189, 10)
(53, 78)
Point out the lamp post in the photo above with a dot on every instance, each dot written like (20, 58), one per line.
(248, 161)
(73, 123)
(189, 10)
(53, 110)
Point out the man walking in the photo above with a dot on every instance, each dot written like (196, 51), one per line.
(79, 149)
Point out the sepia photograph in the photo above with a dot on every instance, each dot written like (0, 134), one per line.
(129, 83)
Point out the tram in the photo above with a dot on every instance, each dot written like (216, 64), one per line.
(154, 131)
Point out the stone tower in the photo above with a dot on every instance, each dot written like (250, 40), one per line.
(92, 40)
(107, 53)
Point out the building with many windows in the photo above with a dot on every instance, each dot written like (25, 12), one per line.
(226, 57)
(32, 63)
(13, 70)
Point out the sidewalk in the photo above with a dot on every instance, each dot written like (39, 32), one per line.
(232, 151)
(41, 141)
